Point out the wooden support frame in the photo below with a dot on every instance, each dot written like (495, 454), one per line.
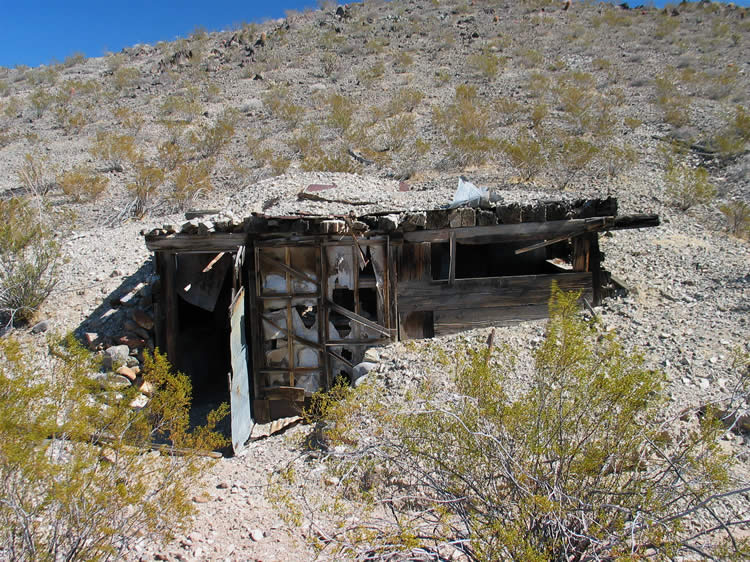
(513, 232)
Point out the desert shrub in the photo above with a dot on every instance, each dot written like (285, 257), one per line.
(82, 183)
(617, 158)
(13, 108)
(146, 181)
(402, 62)
(398, 130)
(113, 149)
(526, 154)
(125, 77)
(190, 180)
(28, 261)
(507, 109)
(370, 75)
(74, 59)
(737, 214)
(485, 64)
(719, 85)
(279, 164)
(208, 141)
(675, 110)
(530, 58)
(734, 136)
(572, 156)
(115, 61)
(330, 63)
(376, 45)
(40, 100)
(129, 119)
(577, 103)
(575, 465)
(69, 120)
(340, 113)
(538, 113)
(538, 84)
(601, 63)
(36, 174)
(4, 89)
(7, 138)
(43, 75)
(307, 142)
(688, 186)
(406, 99)
(77, 476)
(278, 101)
(185, 107)
(632, 123)
(665, 25)
(465, 123)
(170, 155)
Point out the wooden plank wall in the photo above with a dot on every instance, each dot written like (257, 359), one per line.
(427, 307)
(414, 264)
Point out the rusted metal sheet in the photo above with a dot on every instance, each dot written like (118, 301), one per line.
(239, 384)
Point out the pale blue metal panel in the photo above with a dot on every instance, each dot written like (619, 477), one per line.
(239, 383)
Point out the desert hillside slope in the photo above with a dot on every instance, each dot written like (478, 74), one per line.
(594, 100)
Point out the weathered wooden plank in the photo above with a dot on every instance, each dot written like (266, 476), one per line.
(452, 258)
(416, 325)
(580, 257)
(545, 243)
(635, 221)
(415, 262)
(595, 266)
(486, 293)
(290, 393)
(218, 242)
(287, 268)
(171, 307)
(360, 319)
(513, 232)
(458, 320)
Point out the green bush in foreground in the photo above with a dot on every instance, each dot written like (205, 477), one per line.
(77, 478)
(28, 261)
(577, 465)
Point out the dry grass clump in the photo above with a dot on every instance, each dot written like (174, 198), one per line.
(465, 123)
(81, 183)
(737, 214)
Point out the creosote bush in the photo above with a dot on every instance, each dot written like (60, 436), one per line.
(575, 465)
(465, 122)
(190, 180)
(526, 154)
(688, 186)
(146, 182)
(29, 259)
(114, 150)
(737, 214)
(82, 183)
(77, 478)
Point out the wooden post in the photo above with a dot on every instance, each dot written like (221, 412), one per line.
(452, 266)
(581, 250)
(595, 267)
(171, 306)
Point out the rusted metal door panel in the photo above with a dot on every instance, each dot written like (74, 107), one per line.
(239, 384)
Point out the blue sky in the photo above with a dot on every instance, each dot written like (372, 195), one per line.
(34, 32)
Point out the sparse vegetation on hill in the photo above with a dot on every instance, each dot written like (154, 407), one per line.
(488, 71)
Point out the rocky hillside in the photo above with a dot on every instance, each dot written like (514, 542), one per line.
(590, 98)
(651, 106)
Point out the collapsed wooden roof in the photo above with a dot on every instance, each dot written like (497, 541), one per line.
(218, 230)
